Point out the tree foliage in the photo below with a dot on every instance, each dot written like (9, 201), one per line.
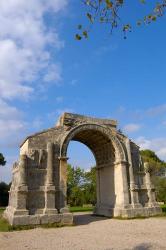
(160, 186)
(81, 186)
(158, 173)
(2, 160)
(90, 186)
(157, 166)
(4, 195)
(107, 12)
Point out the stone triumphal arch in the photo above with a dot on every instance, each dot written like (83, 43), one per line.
(39, 184)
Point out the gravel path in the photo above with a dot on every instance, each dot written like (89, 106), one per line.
(91, 233)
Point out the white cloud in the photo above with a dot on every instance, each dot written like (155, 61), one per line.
(7, 128)
(24, 39)
(37, 123)
(132, 127)
(155, 111)
(8, 112)
(53, 74)
(156, 144)
(12, 126)
(26, 63)
(59, 99)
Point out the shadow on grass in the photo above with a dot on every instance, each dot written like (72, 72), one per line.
(80, 218)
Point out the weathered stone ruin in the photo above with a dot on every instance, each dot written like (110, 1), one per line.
(38, 190)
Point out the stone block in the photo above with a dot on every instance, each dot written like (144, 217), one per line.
(50, 219)
(39, 183)
(67, 219)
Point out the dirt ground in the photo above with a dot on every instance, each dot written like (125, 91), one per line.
(90, 233)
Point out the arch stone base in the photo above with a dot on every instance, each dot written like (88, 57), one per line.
(39, 184)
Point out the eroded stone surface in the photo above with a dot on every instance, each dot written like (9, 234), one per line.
(38, 190)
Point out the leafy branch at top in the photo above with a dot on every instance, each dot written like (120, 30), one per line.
(2, 160)
(107, 12)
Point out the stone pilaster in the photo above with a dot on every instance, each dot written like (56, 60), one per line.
(133, 189)
(50, 187)
(21, 192)
(50, 180)
(98, 186)
(63, 184)
(125, 184)
(122, 188)
(23, 170)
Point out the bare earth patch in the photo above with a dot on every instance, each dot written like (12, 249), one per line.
(91, 232)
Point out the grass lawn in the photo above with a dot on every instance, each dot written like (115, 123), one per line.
(80, 209)
(5, 227)
(163, 208)
(84, 209)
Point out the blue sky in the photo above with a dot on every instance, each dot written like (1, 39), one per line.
(44, 71)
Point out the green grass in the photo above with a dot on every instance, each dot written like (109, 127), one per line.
(5, 227)
(2, 209)
(81, 209)
(84, 209)
(163, 208)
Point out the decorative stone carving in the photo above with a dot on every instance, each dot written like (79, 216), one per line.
(133, 188)
(38, 158)
(33, 155)
(39, 185)
(23, 170)
(42, 158)
(150, 187)
(15, 165)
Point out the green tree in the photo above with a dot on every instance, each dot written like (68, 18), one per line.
(90, 186)
(75, 180)
(108, 12)
(158, 170)
(160, 185)
(4, 195)
(157, 166)
(81, 186)
(2, 160)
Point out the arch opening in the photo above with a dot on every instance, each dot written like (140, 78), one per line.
(104, 153)
(98, 143)
(80, 155)
(81, 176)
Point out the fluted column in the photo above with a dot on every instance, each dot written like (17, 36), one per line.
(50, 180)
(121, 185)
(63, 184)
(50, 188)
(150, 189)
(22, 168)
(21, 202)
(98, 185)
(133, 191)
(125, 184)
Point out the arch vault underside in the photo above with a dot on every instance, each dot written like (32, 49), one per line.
(39, 184)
